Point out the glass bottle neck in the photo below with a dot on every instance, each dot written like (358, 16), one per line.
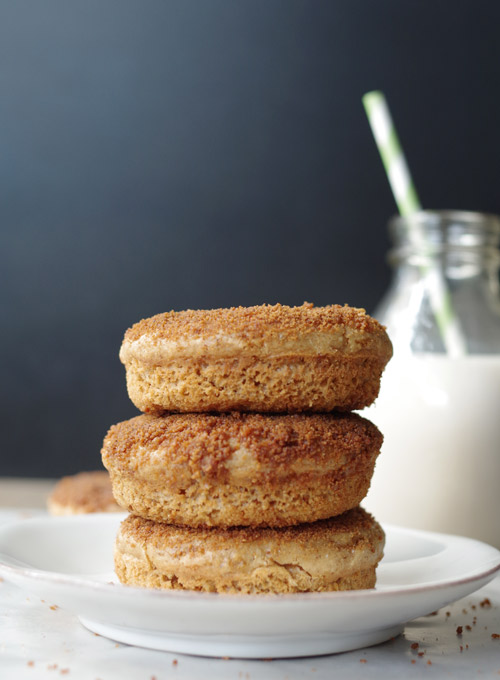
(454, 263)
(446, 279)
(461, 244)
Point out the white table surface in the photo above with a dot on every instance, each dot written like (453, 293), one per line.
(37, 641)
(16, 492)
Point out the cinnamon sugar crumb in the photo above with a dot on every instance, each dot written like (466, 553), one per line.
(362, 661)
(30, 663)
(486, 603)
(414, 645)
(174, 662)
(495, 636)
(460, 630)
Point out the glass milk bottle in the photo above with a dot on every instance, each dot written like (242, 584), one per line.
(439, 468)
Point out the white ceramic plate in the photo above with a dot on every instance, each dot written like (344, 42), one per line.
(68, 561)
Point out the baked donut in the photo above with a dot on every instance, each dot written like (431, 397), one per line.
(247, 469)
(82, 493)
(340, 553)
(265, 358)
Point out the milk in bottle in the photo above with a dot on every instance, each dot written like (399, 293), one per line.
(440, 414)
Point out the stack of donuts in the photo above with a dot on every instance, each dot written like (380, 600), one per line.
(246, 469)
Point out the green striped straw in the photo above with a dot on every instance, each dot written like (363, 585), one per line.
(406, 197)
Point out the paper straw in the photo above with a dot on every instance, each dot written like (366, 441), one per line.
(391, 153)
(406, 197)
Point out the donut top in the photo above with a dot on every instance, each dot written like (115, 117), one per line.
(265, 329)
(236, 444)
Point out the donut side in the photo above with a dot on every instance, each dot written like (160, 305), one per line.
(290, 384)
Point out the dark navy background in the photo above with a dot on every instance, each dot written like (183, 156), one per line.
(165, 154)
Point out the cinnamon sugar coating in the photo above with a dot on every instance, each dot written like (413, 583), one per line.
(334, 554)
(241, 468)
(260, 322)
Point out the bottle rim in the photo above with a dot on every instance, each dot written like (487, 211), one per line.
(428, 234)
(443, 218)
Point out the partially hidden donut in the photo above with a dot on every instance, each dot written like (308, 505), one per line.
(82, 493)
(340, 553)
(237, 469)
(268, 358)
